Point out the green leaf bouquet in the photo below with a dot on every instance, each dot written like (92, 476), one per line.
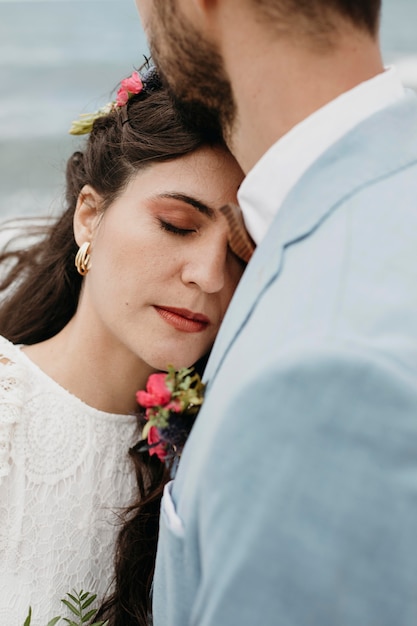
(79, 605)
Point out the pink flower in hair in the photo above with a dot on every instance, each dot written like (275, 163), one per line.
(128, 87)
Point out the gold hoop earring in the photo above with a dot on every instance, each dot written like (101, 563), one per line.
(83, 259)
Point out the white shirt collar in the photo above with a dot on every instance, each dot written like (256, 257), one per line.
(275, 174)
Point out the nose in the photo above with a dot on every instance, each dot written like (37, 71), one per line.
(206, 266)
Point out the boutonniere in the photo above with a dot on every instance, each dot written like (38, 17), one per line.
(171, 401)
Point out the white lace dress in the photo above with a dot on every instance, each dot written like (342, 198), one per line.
(64, 474)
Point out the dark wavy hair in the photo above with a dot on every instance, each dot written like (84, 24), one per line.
(41, 290)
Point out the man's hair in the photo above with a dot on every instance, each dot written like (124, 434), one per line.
(318, 17)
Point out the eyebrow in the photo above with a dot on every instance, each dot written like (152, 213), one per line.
(196, 204)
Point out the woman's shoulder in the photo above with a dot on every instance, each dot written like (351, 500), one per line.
(8, 352)
(12, 386)
(12, 374)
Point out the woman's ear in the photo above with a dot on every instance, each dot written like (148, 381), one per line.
(87, 214)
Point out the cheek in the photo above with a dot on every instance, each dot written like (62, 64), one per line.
(125, 265)
(121, 244)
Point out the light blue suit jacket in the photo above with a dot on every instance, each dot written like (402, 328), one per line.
(295, 502)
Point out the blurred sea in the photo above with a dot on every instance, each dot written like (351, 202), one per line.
(59, 58)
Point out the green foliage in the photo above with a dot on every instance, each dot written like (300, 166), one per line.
(29, 618)
(78, 603)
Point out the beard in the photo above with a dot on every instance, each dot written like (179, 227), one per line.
(193, 71)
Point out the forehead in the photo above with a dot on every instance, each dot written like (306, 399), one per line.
(208, 172)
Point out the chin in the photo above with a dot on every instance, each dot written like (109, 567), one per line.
(176, 361)
(178, 352)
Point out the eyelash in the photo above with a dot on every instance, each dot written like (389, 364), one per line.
(170, 228)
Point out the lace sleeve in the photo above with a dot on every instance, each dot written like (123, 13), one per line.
(11, 401)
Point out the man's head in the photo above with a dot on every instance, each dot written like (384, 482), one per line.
(184, 42)
(318, 18)
(191, 65)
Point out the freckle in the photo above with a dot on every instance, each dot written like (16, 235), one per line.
(127, 303)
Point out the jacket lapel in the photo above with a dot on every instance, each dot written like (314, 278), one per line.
(376, 148)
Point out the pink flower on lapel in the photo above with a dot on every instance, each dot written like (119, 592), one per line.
(171, 402)
(156, 394)
(155, 444)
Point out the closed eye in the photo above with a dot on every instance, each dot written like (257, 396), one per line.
(170, 228)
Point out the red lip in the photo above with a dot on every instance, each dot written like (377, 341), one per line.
(183, 319)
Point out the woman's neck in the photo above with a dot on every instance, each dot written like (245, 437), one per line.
(102, 375)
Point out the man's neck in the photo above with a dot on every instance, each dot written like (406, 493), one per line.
(283, 83)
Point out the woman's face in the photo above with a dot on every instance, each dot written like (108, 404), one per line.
(162, 274)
